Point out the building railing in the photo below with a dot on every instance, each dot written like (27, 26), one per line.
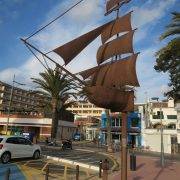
(21, 116)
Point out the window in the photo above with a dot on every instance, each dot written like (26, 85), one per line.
(28, 142)
(12, 140)
(113, 122)
(172, 116)
(21, 141)
(157, 117)
(134, 122)
(160, 113)
(117, 122)
(24, 141)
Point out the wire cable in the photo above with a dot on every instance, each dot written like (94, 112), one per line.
(35, 56)
(54, 19)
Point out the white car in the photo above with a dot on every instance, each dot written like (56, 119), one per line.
(17, 147)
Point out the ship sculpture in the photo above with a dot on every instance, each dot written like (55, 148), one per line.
(111, 83)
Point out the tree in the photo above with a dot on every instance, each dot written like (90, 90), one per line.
(168, 58)
(59, 88)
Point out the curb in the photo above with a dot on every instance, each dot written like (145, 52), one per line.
(67, 161)
(116, 164)
(83, 165)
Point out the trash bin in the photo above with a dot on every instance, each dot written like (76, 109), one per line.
(133, 162)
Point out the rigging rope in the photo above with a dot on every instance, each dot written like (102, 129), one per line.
(54, 19)
(36, 56)
(45, 61)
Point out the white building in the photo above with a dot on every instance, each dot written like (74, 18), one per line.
(155, 112)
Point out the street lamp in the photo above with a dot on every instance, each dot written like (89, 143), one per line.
(162, 145)
(10, 101)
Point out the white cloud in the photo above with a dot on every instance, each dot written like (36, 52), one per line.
(7, 74)
(150, 12)
(155, 84)
(148, 15)
(84, 18)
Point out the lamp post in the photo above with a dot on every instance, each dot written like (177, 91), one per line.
(162, 144)
(10, 101)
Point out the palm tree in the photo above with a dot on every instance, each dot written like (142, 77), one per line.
(58, 87)
(174, 27)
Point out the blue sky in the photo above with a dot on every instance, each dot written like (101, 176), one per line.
(19, 18)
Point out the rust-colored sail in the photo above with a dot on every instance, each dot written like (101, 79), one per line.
(111, 4)
(71, 49)
(118, 46)
(87, 73)
(121, 24)
(118, 74)
(111, 98)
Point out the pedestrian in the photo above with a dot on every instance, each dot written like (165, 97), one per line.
(46, 141)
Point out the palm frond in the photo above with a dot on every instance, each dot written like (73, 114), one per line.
(174, 27)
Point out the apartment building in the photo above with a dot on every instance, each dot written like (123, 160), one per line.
(27, 114)
(87, 118)
(23, 101)
(85, 109)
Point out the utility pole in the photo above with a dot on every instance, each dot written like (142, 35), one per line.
(10, 101)
(161, 131)
(162, 144)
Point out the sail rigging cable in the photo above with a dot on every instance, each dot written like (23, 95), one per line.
(71, 49)
(36, 56)
(64, 69)
(54, 19)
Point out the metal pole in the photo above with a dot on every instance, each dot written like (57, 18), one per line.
(58, 65)
(124, 147)
(100, 168)
(77, 172)
(9, 108)
(47, 173)
(109, 139)
(162, 144)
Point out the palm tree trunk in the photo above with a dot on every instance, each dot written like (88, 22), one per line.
(54, 119)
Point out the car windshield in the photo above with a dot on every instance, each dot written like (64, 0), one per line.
(1, 139)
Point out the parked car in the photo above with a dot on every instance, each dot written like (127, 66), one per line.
(17, 147)
(78, 137)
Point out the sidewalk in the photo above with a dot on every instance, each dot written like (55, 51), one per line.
(148, 168)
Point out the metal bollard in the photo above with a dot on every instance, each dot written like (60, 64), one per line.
(105, 167)
(100, 169)
(7, 174)
(77, 172)
(47, 173)
(133, 162)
